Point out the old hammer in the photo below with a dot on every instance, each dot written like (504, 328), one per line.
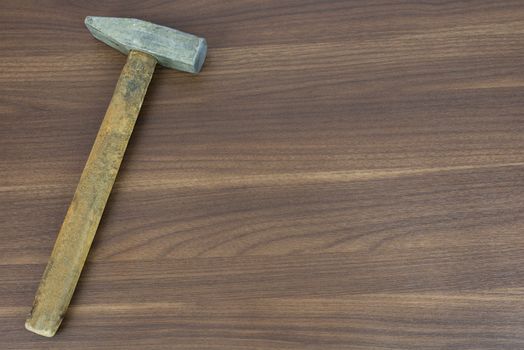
(146, 44)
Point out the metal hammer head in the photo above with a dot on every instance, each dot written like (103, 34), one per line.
(170, 47)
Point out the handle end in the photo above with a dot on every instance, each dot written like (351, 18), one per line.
(41, 327)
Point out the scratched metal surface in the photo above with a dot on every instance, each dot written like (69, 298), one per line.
(171, 48)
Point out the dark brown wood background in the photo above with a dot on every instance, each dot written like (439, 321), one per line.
(342, 175)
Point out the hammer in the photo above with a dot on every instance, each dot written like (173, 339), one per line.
(145, 45)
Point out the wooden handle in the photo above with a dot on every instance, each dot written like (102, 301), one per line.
(83, 216)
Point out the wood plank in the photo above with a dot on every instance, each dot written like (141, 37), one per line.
(342, 175)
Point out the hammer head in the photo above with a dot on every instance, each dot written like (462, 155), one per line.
(170, 47)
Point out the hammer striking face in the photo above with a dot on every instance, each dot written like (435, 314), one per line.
(145, 44)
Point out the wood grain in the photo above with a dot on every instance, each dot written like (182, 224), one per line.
(342, 175)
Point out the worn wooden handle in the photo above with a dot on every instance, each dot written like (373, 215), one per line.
(83, 216)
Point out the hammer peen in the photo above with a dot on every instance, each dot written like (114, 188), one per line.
(146, 44)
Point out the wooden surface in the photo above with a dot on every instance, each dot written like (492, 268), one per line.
(342, 175)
